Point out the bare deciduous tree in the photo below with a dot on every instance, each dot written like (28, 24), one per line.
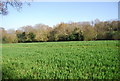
(17, 4)
(5, 3)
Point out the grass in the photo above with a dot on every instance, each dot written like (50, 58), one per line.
(61, 60)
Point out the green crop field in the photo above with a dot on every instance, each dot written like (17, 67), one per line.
(61, 60)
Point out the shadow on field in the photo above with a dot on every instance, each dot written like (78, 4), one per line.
(7, 72)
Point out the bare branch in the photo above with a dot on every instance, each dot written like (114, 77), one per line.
(4, 5)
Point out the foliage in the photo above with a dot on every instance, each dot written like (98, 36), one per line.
(76, 35)
(79, 31)
(31, 36)
(23, 37)
(61, 60)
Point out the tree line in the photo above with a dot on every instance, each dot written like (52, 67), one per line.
(73, 31)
